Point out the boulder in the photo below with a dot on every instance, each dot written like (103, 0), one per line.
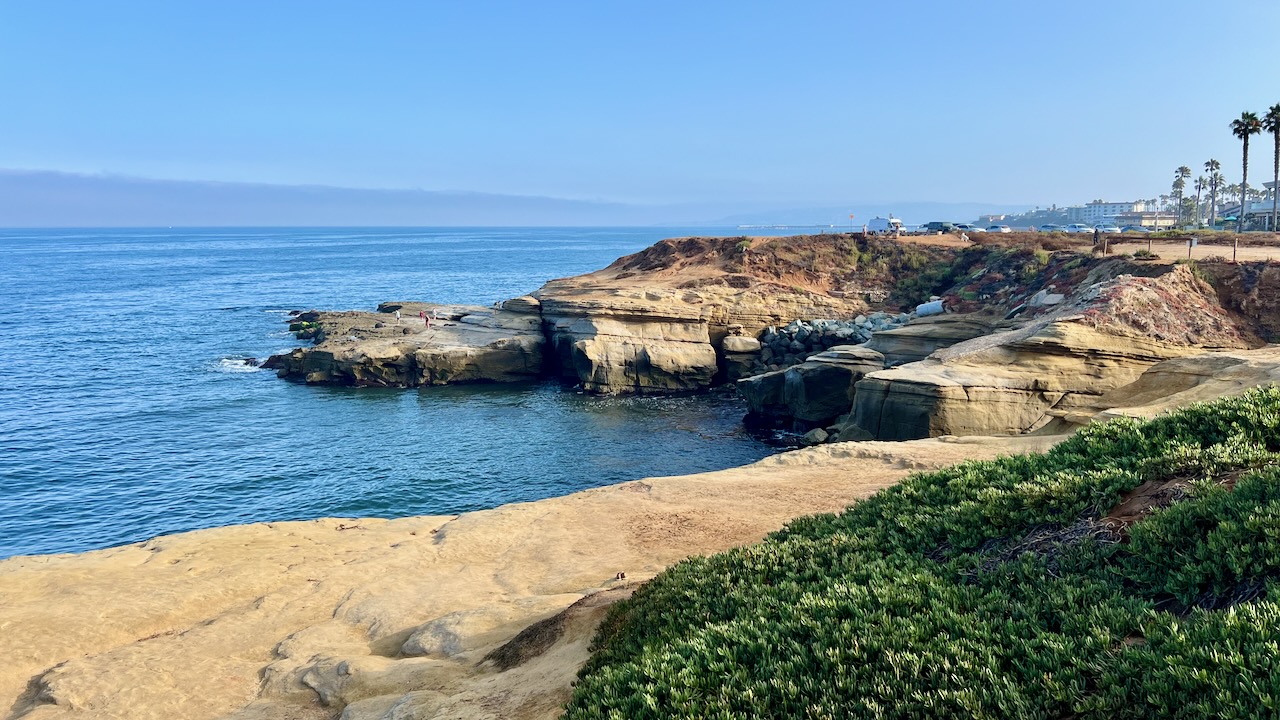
(522, 304)
(816, 436)
(740, 344)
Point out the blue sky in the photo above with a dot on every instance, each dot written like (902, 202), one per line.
(789, 103)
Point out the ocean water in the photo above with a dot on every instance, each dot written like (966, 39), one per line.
(125, 411)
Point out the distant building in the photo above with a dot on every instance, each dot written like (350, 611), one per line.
(1147, 219)
(1101, 211)
(1257, 214)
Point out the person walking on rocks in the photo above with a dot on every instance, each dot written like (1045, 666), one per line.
(425, 320)
(397, 317)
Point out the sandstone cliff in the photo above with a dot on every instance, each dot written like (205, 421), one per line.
(651, 322)
(1104, 336)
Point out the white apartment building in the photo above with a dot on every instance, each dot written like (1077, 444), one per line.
(1100, 211)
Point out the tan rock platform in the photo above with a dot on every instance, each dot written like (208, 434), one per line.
(391, 618)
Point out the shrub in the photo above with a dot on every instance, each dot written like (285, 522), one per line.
(987, 589)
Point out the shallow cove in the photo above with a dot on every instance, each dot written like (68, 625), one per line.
(127, 414)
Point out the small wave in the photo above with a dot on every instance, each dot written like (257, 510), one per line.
(236, 365)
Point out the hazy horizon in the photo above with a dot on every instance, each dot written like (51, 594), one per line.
(36, 199)
(667, 112)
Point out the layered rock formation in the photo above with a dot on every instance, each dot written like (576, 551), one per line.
(1182, 381)
(653, 322)
(817, 392)
(1016, 381)
(811, 394)
(463, 343)
(925, 336)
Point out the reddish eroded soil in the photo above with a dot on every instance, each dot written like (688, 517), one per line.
(1176, 307)
(1251, 289)
(808, 263)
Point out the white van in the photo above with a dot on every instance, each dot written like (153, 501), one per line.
(884, 226)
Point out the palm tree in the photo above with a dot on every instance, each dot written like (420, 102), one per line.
(1179, 184)
(1244, 126)
(1271, 123)
(1202, 184)
(1212, 167)
(1216, 183)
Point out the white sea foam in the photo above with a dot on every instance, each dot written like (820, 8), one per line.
(234, 365)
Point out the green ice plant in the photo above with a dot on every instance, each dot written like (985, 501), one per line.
(973, 592)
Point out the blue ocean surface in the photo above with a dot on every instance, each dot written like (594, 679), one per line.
(126, 412)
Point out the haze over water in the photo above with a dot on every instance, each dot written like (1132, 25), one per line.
(126, 413)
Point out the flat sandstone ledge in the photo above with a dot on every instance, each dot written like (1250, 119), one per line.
(394, 618)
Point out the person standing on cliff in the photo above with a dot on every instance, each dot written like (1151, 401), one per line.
(397, 317)
(425, 320)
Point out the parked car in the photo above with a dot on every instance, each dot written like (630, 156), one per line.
(1135, 229)
(967, 227)
(999, 229)
(937, 228)
(1106, 228)
(1050, 228)
(1078, 228)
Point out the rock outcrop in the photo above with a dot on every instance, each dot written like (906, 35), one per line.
(1182, 381)
(1016, 381)
(659, 320)
(651, 341)
(925, 336)
(811, 394)
(463, 343)
(653, 322)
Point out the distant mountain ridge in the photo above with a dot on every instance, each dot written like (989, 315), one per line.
(42, 198)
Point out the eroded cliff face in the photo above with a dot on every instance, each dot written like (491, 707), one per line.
(611, 336)
(653, 322)
(1016, 381)
(1250, 289)
(685, 314)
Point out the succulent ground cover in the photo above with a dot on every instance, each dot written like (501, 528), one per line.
(1132, 571)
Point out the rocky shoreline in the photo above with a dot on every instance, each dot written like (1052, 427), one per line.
(1006, 339)
(482, 615)
(490, 614)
